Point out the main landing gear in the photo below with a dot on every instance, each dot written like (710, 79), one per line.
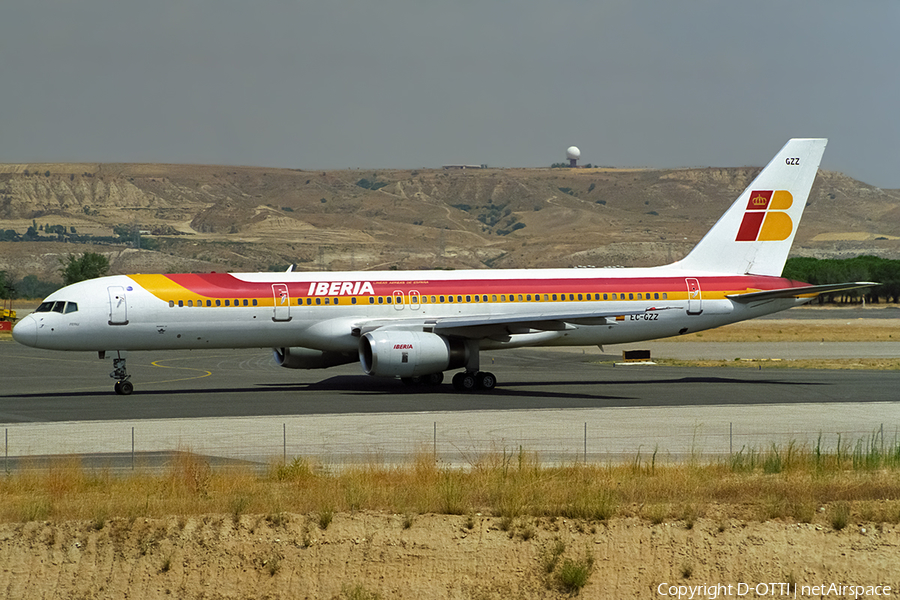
(123, 387)
(473, 378)
(468, 381)
(463, 382)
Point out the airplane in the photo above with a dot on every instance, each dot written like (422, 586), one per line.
(415, 325)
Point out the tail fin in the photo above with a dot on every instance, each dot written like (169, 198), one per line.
(755, 235)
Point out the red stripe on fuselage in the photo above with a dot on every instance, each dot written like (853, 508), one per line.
(224, 285)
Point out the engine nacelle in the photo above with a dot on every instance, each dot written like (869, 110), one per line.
(309, 358)
(387, 353)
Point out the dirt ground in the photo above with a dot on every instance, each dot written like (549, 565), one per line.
(363, 554)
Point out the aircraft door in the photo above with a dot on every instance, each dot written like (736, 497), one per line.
(398, 300)
(414, 299)
(282, 302)
(118, 306)
(695, 298)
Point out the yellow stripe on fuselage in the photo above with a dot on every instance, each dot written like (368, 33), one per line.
(165, 289)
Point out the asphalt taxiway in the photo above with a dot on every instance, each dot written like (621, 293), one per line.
(562, 404)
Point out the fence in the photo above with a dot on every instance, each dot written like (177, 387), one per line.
(455, 439)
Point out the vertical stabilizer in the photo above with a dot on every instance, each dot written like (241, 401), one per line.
(755, 235)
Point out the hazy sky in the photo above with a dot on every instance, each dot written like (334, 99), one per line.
(414, 83)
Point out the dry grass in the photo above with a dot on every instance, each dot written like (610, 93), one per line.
(789, 482)
(797, 330)
(863, 364)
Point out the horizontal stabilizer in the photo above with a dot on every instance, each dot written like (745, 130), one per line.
(799, 292)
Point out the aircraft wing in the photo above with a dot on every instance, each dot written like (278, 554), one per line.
(487, 325)
(799, 292)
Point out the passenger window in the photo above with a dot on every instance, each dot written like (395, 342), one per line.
(630, 296)
(218, 303)
(171, 304)
(502, 297)
(254, 302)
(614, 296)
(639, 295)
(371, 300)
(318, 301)
(433, 299)
(468, 298)
(380, 299)
(353, 300)
(605, 297)
(528, 297)
(442, 299)
(554, 297)
(493, 297)
(336, 300)
(656, 295)
(389, 299)
(520, 297)
(664, 295)
(571, 296)
(459, 298)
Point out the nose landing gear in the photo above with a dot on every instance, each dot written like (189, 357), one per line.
(123, 387)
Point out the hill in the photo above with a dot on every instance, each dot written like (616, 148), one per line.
(200, 218)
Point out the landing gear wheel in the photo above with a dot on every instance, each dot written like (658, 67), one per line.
(457, 384)
(124, 388)
(486, 381)
(465, 382)
(434, 378)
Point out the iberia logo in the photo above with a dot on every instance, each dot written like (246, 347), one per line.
(765, 219)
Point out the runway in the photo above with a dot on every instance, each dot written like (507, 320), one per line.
(564, 405)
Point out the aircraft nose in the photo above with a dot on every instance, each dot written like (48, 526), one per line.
(25, 331)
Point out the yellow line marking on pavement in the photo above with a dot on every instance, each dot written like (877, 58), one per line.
(156, 363)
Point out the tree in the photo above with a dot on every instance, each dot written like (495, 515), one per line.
(6, 286)
(32, 287)
(88, 266)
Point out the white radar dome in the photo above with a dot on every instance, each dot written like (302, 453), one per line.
(573, 153)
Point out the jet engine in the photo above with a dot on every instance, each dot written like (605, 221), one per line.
(309, 358)
(387, 353)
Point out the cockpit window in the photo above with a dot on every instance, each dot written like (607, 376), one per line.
(60, 306)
